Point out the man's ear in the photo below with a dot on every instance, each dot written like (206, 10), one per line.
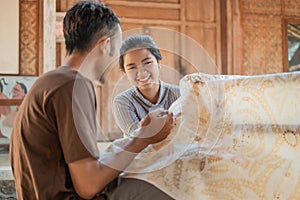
(104, 45)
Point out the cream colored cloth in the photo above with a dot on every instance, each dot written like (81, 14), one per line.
(237, 138)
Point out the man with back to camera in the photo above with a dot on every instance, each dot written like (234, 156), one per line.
(53, 149)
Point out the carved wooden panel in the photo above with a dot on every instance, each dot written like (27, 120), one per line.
(261, 6)
(291, 8)
(262, 29)
(29, 37)
(262, 44)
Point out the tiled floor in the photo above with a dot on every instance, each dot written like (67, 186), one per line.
(5, 169)
(7, 188)
(4, 157)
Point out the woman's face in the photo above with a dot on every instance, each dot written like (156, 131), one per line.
(142, 69)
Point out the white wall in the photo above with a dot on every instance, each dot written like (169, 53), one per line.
(9, 36)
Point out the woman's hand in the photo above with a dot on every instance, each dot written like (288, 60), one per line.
(156, 126)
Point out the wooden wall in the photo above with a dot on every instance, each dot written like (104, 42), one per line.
(197, 19)
(264, 34)
(241, 36)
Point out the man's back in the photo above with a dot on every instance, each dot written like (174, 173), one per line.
(45, 137)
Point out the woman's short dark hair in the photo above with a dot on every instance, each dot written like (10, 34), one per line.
(85, 23)
(138, 42)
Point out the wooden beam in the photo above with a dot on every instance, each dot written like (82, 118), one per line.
(182, 41)
(167, 22)
(10, 102)
(149, 21)
(143, 4)
(225, 19)
(201, 24)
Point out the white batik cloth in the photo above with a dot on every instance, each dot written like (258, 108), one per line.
(237, 138)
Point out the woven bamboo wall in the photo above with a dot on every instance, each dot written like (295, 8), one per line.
(263, 34)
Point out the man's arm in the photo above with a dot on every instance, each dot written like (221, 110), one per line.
(90, 177)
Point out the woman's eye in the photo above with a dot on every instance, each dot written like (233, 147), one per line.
(148, 63)
(130, 68)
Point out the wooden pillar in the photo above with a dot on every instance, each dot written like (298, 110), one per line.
(49, 42)
(233, 40)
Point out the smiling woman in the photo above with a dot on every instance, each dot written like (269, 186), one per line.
(140, 61)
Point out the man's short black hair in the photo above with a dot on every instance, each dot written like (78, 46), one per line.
(85, 23)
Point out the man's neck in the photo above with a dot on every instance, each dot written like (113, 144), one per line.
(74, 61)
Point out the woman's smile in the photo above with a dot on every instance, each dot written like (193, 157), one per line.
(145, 78)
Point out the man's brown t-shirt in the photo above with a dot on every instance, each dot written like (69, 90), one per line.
(55, 125)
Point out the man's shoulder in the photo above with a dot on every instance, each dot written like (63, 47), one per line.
(64, 73)
(58, 77)
(60, 80)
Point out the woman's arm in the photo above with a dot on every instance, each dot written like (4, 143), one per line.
(125, 115)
